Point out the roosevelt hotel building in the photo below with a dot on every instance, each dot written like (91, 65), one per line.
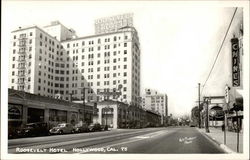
(52, 61)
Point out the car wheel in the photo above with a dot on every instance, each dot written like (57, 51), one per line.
(60, 132)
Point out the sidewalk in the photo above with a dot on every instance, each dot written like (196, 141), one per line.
(217, 135)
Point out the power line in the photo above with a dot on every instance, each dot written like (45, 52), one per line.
(219, 49)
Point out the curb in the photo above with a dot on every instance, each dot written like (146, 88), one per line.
(225, 148)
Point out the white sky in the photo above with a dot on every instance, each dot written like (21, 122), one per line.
(179, 41)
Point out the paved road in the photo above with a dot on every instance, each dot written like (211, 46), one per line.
(150, 140)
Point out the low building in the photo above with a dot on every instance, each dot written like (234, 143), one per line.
(117, 114)
(26, 108)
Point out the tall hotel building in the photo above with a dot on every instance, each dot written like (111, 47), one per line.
(157, 102)
(52, 61)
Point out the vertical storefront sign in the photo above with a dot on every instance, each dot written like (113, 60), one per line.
(235, 62)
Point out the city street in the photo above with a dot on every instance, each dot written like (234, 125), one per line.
(150, 140)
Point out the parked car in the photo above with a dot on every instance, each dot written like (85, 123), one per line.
(79, 128)
(12, 133)
(33, 129)
(95, 127)
(62, 128)
(104, 127)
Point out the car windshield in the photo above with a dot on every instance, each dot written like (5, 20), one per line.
(61, 125)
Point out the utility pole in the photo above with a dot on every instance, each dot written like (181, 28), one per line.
(199, 115)
(207, 115)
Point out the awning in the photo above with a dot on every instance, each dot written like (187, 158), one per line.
(238, 105)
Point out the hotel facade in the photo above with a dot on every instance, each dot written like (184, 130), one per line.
(53, 61)
(157, 102)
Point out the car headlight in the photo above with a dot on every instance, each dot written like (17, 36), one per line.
(27, 130)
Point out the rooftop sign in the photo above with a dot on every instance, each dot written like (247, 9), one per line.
(112, 24)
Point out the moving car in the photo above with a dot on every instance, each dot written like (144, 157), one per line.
(95, 127)
(62, 128)
(79, 128)
(33, 129)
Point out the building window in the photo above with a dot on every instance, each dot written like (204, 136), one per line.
(125, 59)
(125, 66)
(125, 74)
(125, 51)
(125, 44)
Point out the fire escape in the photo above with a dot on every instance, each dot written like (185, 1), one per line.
(22, 63)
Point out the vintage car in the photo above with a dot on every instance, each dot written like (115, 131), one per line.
(79, 128)
(95, 127)
(62, 128)
(33, 129)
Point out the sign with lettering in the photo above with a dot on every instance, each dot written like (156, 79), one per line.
(112, 24)
(235, 63)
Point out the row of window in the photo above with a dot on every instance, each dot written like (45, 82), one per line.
(98, 41)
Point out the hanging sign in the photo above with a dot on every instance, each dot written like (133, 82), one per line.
(235, 63)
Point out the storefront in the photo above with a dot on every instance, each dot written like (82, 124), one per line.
(26, 108)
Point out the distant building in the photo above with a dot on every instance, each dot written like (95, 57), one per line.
(52, 61)
(156, 102)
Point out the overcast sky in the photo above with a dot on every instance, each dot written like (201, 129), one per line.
(179, 41)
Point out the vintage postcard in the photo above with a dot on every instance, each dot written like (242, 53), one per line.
(125, 80)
